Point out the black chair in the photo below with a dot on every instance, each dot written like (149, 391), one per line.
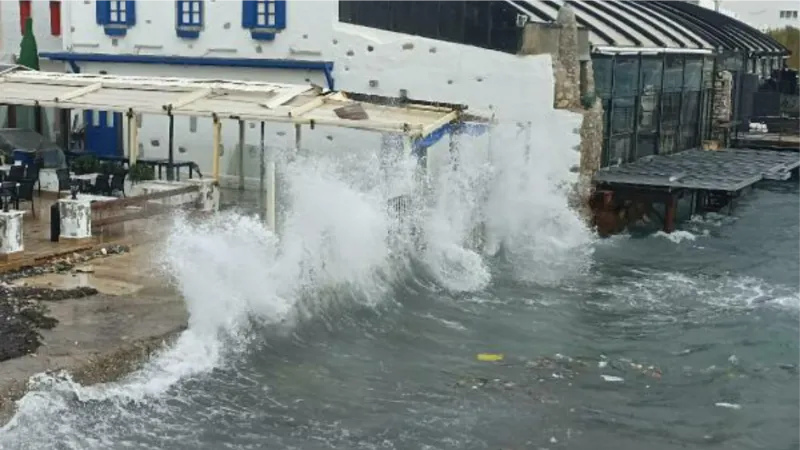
(16, 173)
(32, 174)
(101, 186)
(25, 192)
(8, 189)
(64, 181)
(118, 182)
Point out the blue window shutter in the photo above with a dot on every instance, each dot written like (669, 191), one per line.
(103, 10)
(130, 8)
(280, 14)
(249, 13)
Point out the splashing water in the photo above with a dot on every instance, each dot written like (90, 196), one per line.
(231, 271)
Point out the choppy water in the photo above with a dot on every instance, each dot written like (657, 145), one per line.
(338, 338)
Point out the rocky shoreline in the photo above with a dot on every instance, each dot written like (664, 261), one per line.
(23, 309)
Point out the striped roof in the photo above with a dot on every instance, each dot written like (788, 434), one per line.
(656, 24)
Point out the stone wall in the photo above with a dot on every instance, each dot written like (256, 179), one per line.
(721, 107)
(575, 91)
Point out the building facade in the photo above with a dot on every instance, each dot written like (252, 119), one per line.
(653, 63)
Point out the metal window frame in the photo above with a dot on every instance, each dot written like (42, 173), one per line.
(266, 14)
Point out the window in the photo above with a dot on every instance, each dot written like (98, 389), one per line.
(24, 14)
(55, 18)
(264, 18)
(189, 18)
(116, 16)
(119, 14)
(265, 14)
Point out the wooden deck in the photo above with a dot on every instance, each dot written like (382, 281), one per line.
(38, 248)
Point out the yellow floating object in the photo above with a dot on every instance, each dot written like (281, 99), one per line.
(490, 357)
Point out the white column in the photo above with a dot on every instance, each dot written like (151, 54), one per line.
(11, 234)
(241, 155)
(76, 218)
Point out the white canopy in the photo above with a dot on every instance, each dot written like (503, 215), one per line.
(225, 99)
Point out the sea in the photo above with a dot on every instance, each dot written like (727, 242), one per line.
(486, 315)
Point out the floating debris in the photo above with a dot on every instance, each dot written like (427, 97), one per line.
(490, 357)
(728, 405)
(612, 378)
(63, 264)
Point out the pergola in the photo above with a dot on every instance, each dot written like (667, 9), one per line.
(420, 123)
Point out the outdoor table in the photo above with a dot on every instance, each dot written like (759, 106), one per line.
(176, 164)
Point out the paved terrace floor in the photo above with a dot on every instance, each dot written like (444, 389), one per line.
(36, 234)
(724, 170)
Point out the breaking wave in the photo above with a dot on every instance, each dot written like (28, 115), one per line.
(340, 246)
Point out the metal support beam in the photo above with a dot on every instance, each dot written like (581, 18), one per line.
(669, 214)
(272, 187)
(610, 111)
(217, 144)
(660, 137)
(241, 155)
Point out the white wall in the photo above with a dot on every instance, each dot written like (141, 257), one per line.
(514, 88)
(11, 35)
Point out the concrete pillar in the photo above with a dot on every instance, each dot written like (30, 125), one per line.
(11, 235)
(209, 194)
(76, 218)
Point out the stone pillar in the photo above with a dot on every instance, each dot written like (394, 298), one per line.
(11, 235)
(721, 107)
(566, 64)
(76, 218)
(209, 194)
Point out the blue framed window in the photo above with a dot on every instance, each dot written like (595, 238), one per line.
(264, 18)
(189, 18)
(116, 16)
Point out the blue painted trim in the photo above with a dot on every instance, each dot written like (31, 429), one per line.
(470, 128)
(262, 35)
(325, 66)
(328, 75)
(187, 34)
(115, 31)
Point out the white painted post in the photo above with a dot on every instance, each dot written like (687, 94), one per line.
(208, 196)
(11, 243)
(241, 155)
(262, 173)
(76, 218)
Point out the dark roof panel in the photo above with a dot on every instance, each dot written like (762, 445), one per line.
(657, 24)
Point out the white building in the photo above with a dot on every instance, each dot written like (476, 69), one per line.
(470, 56)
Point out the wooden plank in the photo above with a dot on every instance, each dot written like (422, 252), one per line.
(287, 96)
(141, 200)
(440, 122)
(306, 107)
(144, 213)
(189, 98)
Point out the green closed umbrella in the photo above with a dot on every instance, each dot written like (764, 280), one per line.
(28, 51)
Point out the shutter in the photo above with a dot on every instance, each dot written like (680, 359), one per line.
(55, 18)
(249, 13)
(24, 13)
(280, 14)
(103, 11)
(130, 8)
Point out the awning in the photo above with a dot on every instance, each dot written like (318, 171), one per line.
(225, 99)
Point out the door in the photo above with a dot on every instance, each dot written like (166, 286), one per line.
(103, 132)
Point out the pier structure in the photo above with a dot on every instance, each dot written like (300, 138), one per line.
(703, 180)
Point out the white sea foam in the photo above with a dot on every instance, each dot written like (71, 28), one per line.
(231, 271)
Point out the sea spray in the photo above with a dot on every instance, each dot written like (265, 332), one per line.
(339, 243)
